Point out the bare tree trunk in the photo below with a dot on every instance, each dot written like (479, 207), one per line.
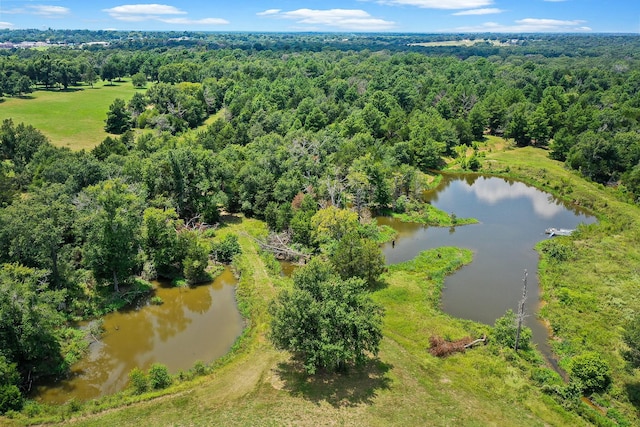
(115, 282)
(521, 313)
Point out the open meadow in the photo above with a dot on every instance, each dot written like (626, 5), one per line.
(73, 118)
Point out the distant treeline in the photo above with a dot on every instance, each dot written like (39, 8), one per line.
(554, 45)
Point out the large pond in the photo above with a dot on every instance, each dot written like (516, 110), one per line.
(193, 323)
(513, 218)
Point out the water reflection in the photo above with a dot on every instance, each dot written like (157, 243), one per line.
(543, 204)
(513, 217)
(197, 323)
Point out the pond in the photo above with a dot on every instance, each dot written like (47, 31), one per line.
(512, 219)
(193, 323)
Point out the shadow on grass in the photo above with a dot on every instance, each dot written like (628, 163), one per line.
(356, 387)
(633, 393)
(379, 285)
(228, 219)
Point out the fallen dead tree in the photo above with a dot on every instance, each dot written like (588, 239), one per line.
(279, 245)
(443, 348)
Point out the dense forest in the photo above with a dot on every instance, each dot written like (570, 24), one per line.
(314, 134)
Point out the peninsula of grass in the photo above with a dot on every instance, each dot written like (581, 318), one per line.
(426, 214)
(72, 118)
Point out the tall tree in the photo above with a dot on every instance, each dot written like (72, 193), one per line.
(327, 322)
(118, 117)
(518, 126)
(355, 256)
(114, 220)
(36, 230)
(160, 240)
(29, 321)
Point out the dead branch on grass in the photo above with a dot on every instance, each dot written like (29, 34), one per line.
(443, 348)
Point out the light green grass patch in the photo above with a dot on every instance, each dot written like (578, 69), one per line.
(73, 118)
(424, 213)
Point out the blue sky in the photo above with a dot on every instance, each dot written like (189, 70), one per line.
(417, 16)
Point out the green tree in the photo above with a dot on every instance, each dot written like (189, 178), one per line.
(138, 380)
(539, 127)
(505, 330)
(518, 126)
(196, 257)
(227, 248)
(139, 80)
(300, 223)
(327, 322)
(29, 322)
(355, 256)
(7, 184)
(118, 117)
(431, 137)
(495, 110)
(10, 396)
(596, 156)
(19, 143)
(333, 223)
(37, 231)
(187, 176)
(114, 221)
(478, 122)
(592, 372)
(631, 337)
(109, 146)
(159, 377)
(88, 73)
(160, 240)
(562, 142)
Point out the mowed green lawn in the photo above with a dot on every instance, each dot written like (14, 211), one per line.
(73, 118)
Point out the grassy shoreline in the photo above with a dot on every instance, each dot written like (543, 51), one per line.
(589, 282)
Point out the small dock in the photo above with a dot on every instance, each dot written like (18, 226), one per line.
(558, 231)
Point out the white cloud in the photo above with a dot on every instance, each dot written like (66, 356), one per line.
(343, 19)
(158, 12)
(485, 11)
(40, 10)
(441, 4)
(6, 25)
(529, 25)
(492, 194)
(268, 12)
(50, 11)
(129, 10)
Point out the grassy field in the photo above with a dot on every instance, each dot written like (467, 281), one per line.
(73, 118)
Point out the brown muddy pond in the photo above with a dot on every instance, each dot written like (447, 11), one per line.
(193, 323)
(512, 219)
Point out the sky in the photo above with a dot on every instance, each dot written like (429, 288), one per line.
(403, 16)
